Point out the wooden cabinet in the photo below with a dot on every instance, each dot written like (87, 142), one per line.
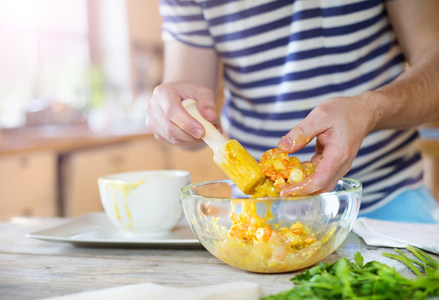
(28, 185)
(431, 165)
(145, 154)
(429, 145)
(430, 153)
(199, 163)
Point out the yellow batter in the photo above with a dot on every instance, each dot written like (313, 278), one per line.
(126, 188)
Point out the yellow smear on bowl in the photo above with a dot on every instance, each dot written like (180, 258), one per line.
(126, 188)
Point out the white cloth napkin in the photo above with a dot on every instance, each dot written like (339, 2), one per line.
(397, 234)
(231, 291)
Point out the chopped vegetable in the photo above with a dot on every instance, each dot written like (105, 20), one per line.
(281, 170)
(254, 244)
(374, 280)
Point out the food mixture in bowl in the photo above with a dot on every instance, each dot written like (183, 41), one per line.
(263, 232)
(252, 243)
(270, 235)
(280, 170)
(252, 240)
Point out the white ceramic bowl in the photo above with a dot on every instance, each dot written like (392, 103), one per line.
(143, 202)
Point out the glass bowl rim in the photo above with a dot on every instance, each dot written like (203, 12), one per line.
(358, 187)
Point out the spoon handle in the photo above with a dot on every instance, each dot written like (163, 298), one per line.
(212, 137)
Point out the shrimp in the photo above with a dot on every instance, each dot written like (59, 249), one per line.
(274, 163)
(282, 169)
(264, 234)
(279, 253)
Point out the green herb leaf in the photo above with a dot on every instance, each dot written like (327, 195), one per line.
(371, 281)
(358, 259)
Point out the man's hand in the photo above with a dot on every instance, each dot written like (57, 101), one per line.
(170, 122)
(339, 124)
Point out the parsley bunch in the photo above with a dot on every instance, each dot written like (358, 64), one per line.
(374, 280)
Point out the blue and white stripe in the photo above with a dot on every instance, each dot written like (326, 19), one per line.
(282, 58)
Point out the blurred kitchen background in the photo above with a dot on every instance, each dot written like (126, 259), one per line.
(69, 62)
(75, 76)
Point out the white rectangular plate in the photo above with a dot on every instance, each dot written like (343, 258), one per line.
(95, 230)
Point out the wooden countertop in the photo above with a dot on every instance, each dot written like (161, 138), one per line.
(64, 138)
(33, 268)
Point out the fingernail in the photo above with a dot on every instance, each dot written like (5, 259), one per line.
(285, 144)
(197, 133)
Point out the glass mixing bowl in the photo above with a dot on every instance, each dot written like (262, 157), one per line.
(270, 235)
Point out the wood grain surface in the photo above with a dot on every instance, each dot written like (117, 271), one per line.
(33, 269)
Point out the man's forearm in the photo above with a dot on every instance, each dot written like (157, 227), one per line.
(191, 64)
(410, 100)
(413, 98)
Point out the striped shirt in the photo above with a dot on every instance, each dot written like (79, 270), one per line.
(282, 58)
